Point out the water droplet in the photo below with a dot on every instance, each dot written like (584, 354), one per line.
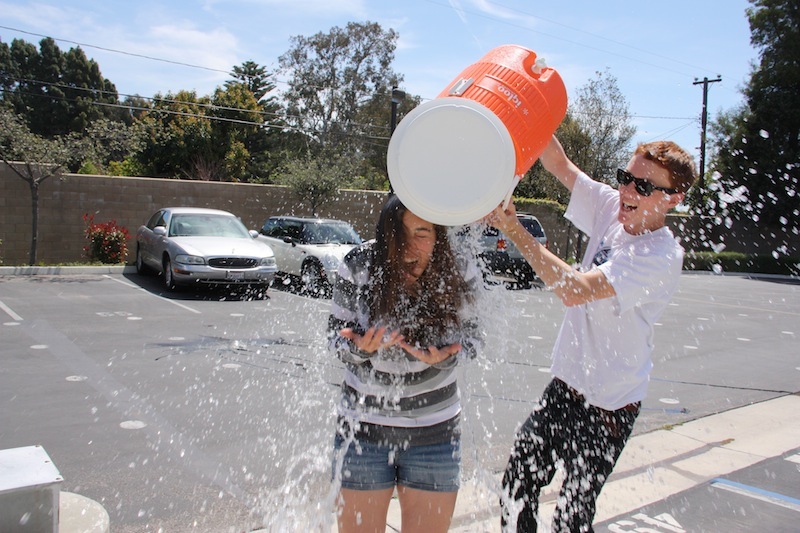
(132, 424)
(669, 401)
(11, 323)
(76, 378)
(39, 347)
(764, 134)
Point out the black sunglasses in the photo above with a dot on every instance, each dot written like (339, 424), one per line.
(643, 187)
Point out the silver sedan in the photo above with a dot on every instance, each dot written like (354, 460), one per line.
(194, 245)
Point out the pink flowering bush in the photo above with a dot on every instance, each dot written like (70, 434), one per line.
(108, 242)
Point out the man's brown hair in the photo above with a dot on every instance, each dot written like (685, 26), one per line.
(672, 157)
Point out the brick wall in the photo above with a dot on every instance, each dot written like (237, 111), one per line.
(131, 201)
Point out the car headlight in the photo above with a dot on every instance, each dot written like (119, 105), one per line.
(190, 259)
(330, 262)
(267, 262)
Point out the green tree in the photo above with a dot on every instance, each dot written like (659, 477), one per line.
(256, 78)
(104, 142)
(315, 180)
(265, 143)
(178, 137)
(601, 112)
(56, 92)
(757, 147)
(538, 183)
(331, 76)
(238, 118)
(40, 159)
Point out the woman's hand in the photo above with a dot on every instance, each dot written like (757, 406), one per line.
(373, 339)
(433, 354)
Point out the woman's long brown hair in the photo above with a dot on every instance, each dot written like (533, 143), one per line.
(429, 309)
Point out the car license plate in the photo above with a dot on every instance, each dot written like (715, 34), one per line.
(234, 276)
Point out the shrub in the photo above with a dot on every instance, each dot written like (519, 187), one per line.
(128, 167)
(108, 242)
(88, 167)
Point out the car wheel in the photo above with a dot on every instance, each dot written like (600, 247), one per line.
(523, 283)
(313, 278)
(141, 268)
(169, 279)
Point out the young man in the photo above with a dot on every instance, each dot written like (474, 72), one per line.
(602, 357)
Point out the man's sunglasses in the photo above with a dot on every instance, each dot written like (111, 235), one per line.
(643, 187)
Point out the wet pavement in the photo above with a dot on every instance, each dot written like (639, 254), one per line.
(210, 411)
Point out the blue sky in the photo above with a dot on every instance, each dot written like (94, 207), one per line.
(655, 49)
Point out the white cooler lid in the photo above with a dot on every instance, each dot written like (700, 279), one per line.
(451, 161)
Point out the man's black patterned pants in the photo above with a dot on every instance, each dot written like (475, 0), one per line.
(563, 429)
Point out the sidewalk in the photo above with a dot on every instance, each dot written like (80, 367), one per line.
(656, 465)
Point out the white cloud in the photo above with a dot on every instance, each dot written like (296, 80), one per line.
(497, 11)
(215, 48)
(46, 19)
(311, 8)
(456, 5)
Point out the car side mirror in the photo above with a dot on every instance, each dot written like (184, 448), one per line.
(160, 230)
(253, 233)
(289, 240)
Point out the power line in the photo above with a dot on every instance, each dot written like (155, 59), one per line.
(209, 106)
(558, 37)
(595, 35)
(132, 54)
(266, 125)
(299, 117)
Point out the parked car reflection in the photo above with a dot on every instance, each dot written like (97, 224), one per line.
(310, 248)
(191, 245)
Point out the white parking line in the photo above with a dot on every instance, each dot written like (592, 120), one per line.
(173, 302)
(10, 312)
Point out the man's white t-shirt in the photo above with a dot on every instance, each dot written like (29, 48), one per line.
(604, 347)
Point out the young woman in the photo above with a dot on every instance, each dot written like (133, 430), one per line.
(400, 321)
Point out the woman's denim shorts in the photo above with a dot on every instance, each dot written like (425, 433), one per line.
(372, 466)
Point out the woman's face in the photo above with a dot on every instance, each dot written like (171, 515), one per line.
(419, 240)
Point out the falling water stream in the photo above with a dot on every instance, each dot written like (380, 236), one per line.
(286, 386)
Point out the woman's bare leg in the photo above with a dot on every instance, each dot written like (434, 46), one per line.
(426, 511)
(363, 511)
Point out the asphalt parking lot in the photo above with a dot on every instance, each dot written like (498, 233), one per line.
(210, 411)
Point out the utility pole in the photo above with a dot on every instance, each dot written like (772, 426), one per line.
(397, 97)
(704, 122)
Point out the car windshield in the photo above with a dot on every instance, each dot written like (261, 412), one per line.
(206, 225)
(328, 233)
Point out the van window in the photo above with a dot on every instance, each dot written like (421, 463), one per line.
(533, 226)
